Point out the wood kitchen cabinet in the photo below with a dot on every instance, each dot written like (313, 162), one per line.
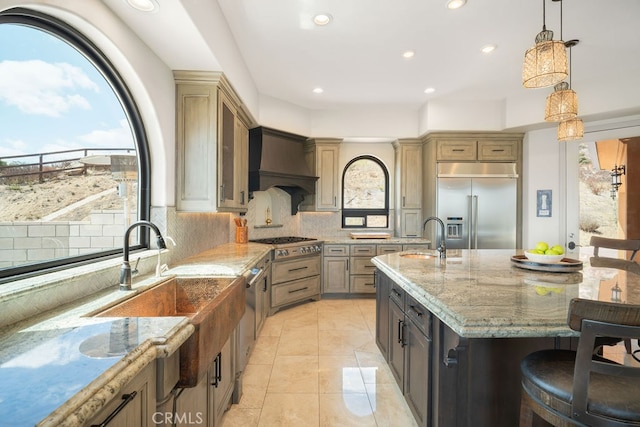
(335, 269)
(406, 332)
(135, 404)
(212, 140)
(467, 147)
(408, 199)
(323, 155)
(361, 280)
(221, 378)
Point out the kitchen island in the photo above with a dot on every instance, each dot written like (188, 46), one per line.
(454, 330)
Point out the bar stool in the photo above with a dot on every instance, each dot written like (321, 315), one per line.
(619, 244)
(567, 388)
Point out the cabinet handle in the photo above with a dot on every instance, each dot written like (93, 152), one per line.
(222, 193)
(347, 264)
(264, 286)
(297, 269)
(416, 311)
(335, 201)
(403, 204)
(369, 284)
(457, 150)
(126, 398)
(398, 294)
(369, 266)
(242, 197)
(401, 333)
(217, 370)
(298, 290)
(498, 150)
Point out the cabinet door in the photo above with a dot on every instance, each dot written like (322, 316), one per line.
(417, 372)
(410, 225)
(502, 151)
(242, 165)
(196, 148)
(465, 150)
(221, 382)
(411, 176)
(226, 152)
(396, 343)
(191, 406)
(328, 186)
(382, 313)
(335, 276)
(134, 405)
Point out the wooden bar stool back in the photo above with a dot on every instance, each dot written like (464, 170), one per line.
(619, 244)
(576, 388)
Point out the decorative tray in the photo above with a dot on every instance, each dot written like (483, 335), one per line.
(565, 265)
(370, 235)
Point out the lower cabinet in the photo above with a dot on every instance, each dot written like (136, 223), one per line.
(206, 403)
(135, 405)
(403, 334)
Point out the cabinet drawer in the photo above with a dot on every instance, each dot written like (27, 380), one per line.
(456, 150)
(396, 293)
(295, 269)
(336, 250)
(498, 151)
(362, 265)
(363, 284)
(362, 250)
(294, 291)
(419, 315)
(387, 249)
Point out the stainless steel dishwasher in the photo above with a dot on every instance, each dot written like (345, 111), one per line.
(246, 332)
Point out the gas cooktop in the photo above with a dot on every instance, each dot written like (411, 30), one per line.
(282, 240)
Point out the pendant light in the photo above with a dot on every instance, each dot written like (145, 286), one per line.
(545, 64)
(572, 128)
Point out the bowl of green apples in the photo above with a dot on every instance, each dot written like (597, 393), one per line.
(544, 253)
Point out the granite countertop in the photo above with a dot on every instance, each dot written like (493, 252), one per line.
(481, 294)
(63, 366)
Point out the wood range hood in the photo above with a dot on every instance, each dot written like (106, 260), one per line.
(277, 159)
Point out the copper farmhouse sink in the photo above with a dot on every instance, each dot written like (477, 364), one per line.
(213, 305)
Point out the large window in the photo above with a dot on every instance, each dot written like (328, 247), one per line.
(365, 196)
(74, 167)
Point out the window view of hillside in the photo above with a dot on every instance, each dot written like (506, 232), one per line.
(68, 165)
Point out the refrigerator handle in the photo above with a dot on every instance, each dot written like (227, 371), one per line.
(475, 222)
(469, 220)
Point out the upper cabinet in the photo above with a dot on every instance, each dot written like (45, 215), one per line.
(473, 147)
(408, 194)
(322, 155)
(212, 140)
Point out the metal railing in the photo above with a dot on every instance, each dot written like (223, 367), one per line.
(42, 166)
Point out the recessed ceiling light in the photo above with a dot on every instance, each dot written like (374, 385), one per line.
(322, 19)
(408, 54)
(455, 4)
(429, 90)
(318, 90)
(488, 48)
(143, 5)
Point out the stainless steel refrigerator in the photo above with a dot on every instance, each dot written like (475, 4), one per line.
(478, 204)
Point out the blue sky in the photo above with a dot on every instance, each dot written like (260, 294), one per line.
(52, 98)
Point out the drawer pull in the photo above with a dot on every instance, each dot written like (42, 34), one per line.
(398, 294)
(298, 269)
(416, 311)
(401, 333)
(336, 251)
(298, 290)
(126, 398)
(458, 150)
(498, 150)
(369, 284)
(369, 266)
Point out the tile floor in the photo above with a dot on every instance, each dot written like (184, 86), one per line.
(317, 364)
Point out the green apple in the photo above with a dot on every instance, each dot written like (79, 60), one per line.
(542, 246)
(559, 250)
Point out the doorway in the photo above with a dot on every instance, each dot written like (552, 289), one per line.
(600, 208)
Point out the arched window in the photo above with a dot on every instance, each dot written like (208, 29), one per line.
(74, 162)
(365, 195)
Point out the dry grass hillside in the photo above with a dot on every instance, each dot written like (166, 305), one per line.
(33, 201)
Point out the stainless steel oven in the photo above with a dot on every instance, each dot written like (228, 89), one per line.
(295, 270)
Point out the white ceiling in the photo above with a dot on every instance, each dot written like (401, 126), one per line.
(357, 58)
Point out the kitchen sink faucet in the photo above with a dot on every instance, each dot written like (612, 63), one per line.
(442, 248)
(125, 270)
